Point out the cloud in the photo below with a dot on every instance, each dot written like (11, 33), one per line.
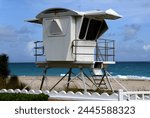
(131, 31)
(130, 51)
(146, 47)
(11, 34)
(25, 30)
(30, 48)
(18, 51)
(17, 42)
(7, 33)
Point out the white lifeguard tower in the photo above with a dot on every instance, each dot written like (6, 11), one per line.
(70, 40)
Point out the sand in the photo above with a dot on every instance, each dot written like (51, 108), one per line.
(33, 82)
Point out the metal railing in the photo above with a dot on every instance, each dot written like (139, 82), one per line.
(104, 50)
(39, 49)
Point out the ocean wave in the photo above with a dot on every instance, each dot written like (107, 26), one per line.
(131, 77)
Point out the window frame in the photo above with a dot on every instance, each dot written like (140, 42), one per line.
(85, 32)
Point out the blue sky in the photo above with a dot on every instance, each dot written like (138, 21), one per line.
(131, 33)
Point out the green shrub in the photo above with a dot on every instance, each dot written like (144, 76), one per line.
(22, 97)
(4, 71)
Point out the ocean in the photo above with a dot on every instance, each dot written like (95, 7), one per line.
(123, 70)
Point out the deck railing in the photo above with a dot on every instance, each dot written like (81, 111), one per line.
(39, 50)
(104, 50)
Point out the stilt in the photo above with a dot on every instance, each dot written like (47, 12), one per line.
(83, 79)
(103, 80)
(69, 78)
(77, 76)
(90, 80)
(43, 78)
(29, 83)
(108, 80)
(60, 80)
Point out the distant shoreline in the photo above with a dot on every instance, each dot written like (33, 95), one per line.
(129, 69)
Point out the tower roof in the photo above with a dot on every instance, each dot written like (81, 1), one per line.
(56, 12)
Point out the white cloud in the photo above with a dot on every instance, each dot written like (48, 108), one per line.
(146, 47)
(25, 30)
(7, 33)
(12, 34)
(30, 48)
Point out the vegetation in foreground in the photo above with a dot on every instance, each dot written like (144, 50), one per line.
(8, 81)
(22, 97)
(4, 71)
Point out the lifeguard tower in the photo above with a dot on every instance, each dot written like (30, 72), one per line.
(71, 39)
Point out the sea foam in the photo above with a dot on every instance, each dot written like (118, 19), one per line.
(131, 77)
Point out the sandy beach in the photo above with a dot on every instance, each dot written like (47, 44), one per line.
(33, 82)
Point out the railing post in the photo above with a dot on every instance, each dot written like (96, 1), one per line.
(38, 46)
(120, 95)
(107, 45)
(75, 46)
(113, 50)
(97, 54)
(35, 51)
(105, 51)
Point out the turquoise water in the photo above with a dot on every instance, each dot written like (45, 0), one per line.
(120, 69)
(131, 69)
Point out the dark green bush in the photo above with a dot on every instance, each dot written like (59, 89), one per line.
(4, 71)
(22, 97)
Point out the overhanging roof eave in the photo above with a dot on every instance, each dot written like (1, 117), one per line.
(58, 12)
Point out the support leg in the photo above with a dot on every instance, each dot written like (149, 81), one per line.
(83, 78)
(69, 78)
(77, 76)
(29, 83)
(91, 80)
(108, 81)
(43, 78)
(101, 80)
(46, 83)
(59, 81)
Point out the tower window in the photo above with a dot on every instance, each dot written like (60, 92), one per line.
(83, 28)
(93, 29)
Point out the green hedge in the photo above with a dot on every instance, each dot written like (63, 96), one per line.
(22, 97)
